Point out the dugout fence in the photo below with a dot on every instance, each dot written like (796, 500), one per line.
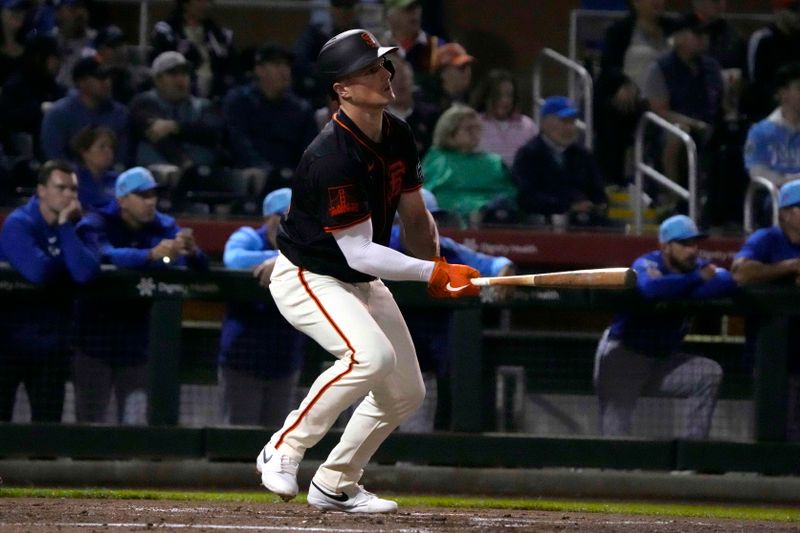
(544, 337)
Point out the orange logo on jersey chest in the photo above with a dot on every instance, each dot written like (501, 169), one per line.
(397, 172)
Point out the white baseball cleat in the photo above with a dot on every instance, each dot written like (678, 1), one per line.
(278, 472)
(354, 500)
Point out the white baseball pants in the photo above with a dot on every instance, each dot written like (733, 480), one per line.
(361, 325)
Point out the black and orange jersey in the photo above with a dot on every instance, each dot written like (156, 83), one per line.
(343, 179)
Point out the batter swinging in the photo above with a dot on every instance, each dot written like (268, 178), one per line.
(361, 169)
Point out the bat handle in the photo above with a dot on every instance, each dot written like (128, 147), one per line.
(480, 282)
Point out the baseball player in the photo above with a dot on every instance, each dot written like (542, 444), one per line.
(358, 172)
(638, 353)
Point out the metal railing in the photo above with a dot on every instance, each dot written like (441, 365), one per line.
(757, 182)
(574, 69)
(643, 169)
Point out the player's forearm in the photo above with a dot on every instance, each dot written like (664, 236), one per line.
(748, 272)
(421, 237)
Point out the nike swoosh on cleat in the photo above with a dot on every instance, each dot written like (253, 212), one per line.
(264, 455)
(338, 497)
(455, 289)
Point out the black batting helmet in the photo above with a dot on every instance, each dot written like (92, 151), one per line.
(349, 52)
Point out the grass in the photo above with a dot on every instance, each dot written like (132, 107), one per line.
(737, 512)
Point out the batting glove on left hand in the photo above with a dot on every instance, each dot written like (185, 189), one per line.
(452, 281)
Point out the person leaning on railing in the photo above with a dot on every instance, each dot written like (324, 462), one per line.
(111, 343)
(39, 240)
(770, 255)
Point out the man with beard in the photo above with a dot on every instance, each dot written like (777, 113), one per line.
(639, 353)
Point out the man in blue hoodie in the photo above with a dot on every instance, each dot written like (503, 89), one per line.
(112, 340)
(40, 242)
(260, 354)
(638, 354)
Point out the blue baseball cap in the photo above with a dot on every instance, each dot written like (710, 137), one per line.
(136, 179)
(789, 194)
(560, 106)
(679, 228)
(277, 202)
(431, 204)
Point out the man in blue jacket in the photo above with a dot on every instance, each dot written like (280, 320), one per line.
(39, 241)
(260, 354)
(639, 353)
(112, 340)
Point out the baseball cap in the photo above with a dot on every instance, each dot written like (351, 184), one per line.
(431, 204)
(679, 228)
(272, 53)
(277, 202)
(690, 22)
(89, 67)
(167, 61)
(560, 106)
(451, 54)
(136, 179)
(109, 36)
(789, 194)
(399, 4)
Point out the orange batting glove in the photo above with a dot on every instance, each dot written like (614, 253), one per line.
(452, 281)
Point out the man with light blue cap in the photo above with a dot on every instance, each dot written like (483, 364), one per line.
(260, 354)
(639, 353)
(111, 341)
(773, 255)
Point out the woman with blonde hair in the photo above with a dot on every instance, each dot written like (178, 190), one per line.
(465, 179)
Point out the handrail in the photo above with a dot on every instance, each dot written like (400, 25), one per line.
(757, 182)
(643, 169)
(588, 89)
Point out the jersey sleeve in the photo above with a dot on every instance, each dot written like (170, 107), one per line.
(755, 247)
(343, 201)
(756, 148)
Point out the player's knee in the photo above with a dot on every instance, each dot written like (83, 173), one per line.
(378, 362)
(712, 374)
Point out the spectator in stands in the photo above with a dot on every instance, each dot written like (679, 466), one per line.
(343, 15)
(111, 343)
(90, 104)
(430, 329)
(94, 146)
(773, 144)
(39, 240)
(768, 49)
(260, 354)
(209, 48)
(725, 43)
(685, 87)
(12, 21)
(772, 255)
(631, 45)
(126, 78)
(409, 105)
(73, 33)
(556, 176)
(268, 126)
(174, 129)
(26, 95)
(463, 178)
(452, 76)
(639, 353)
(505, 128)
(404, 29)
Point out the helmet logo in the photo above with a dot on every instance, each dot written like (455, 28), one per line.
(369, 39)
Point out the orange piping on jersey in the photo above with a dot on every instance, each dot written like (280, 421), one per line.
(344, 226)
(334, 380)
(355, 136)
(414, 188)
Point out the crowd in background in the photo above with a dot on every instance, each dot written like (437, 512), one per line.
(97, 149)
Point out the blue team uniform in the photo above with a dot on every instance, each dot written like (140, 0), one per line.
(773, 143)
(255, 337)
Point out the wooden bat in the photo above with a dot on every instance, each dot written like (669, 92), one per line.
(598, 278)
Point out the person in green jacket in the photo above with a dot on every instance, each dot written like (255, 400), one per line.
(464, 179)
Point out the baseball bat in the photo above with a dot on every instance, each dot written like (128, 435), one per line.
(598, 278)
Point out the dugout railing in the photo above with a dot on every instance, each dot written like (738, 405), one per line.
(470, 443)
